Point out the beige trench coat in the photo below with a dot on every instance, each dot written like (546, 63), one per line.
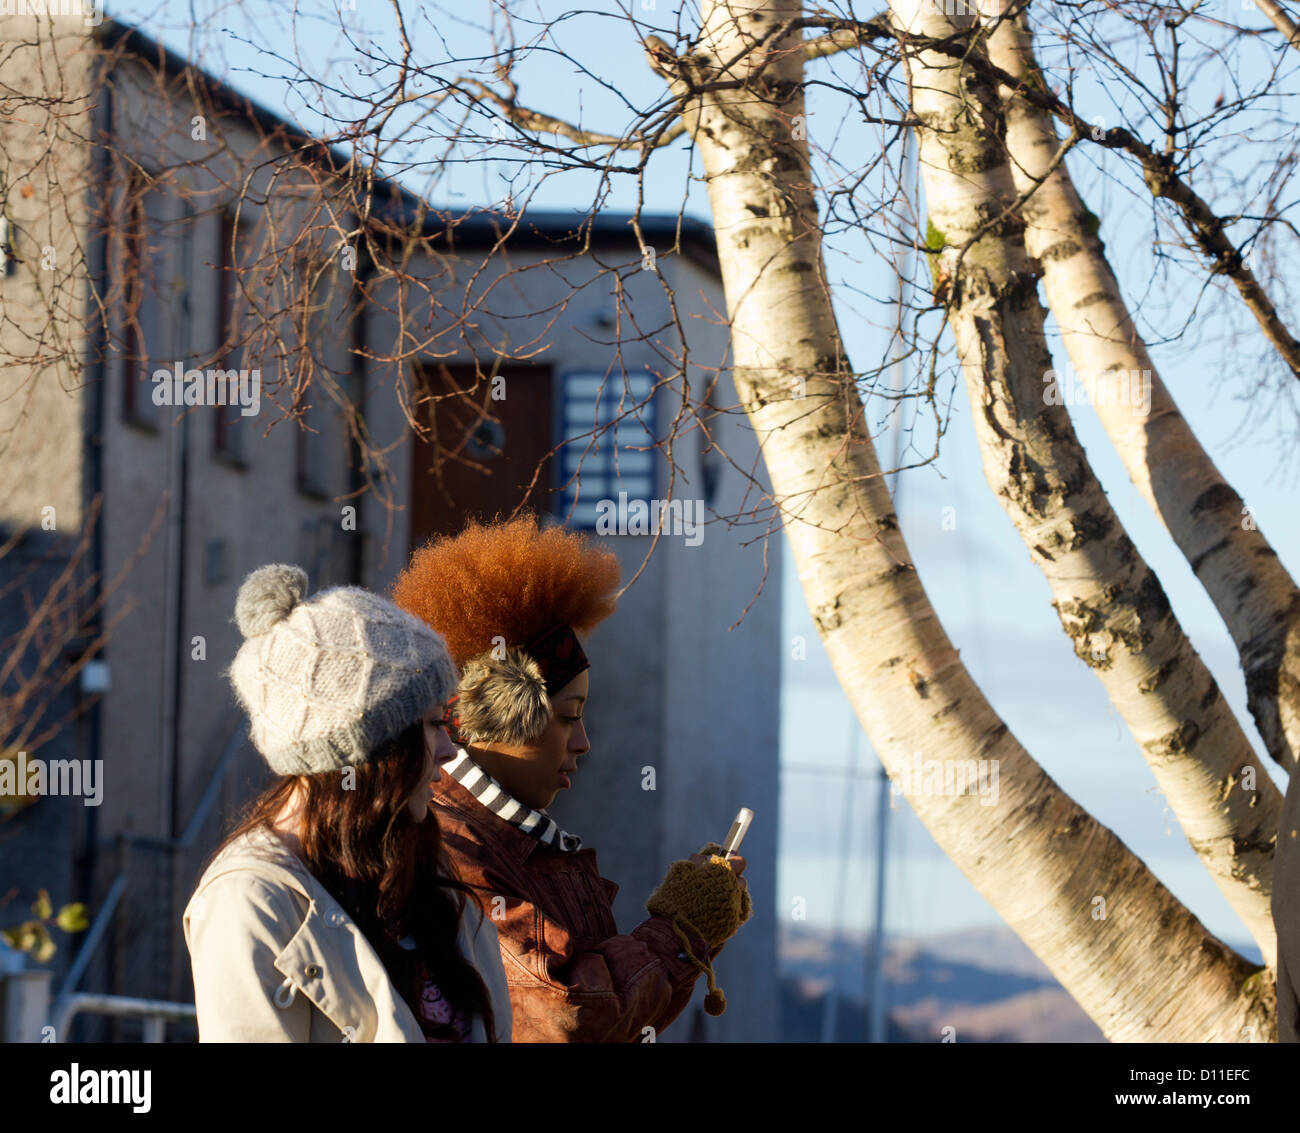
(276, 959)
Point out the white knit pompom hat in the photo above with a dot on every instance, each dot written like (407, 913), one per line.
(325, 680)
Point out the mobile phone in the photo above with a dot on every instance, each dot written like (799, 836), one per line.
(739, 828)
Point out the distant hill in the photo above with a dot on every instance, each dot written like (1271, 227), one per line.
(985, 983)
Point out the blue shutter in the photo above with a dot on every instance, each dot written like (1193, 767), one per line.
(607, 422)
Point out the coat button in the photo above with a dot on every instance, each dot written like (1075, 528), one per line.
(312, 971)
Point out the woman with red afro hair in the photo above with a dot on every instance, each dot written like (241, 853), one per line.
(510, 600)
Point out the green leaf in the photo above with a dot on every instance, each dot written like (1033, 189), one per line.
(42, 906)
(72, 918)
(26, 936)
(45, 947)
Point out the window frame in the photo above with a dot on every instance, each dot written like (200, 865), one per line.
(140, 184)
(230, 433)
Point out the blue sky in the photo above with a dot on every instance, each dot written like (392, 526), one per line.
(993, 601)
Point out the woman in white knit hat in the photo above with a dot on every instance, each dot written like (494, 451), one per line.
(328, 914)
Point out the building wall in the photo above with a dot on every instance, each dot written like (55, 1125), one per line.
(46, 171)
(44, 185)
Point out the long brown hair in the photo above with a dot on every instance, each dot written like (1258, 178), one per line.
(388, 871)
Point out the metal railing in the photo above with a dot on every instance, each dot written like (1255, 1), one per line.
(156, 1012)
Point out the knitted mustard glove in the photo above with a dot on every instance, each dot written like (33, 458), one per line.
(713, 850)
(708, 899)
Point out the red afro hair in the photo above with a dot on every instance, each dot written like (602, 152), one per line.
(507, 579)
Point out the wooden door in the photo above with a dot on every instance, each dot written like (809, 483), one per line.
(483, 456)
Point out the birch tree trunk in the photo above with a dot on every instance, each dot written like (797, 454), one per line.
(1109, 601)
(1253, 592)
(1135, 959)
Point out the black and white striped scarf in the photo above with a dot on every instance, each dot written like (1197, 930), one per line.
(503, 804)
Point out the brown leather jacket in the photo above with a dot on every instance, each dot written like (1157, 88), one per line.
(571, 976)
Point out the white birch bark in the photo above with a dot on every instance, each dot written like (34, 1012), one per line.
(1110, 603)
(1135, 959)
(1281, 19)
(1251, 588)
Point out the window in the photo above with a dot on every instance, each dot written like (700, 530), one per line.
(316, 329)
(608, 425)
(146, 295)
(313, 432)
(230, 426)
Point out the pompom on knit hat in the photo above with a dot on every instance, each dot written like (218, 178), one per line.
(325, 680)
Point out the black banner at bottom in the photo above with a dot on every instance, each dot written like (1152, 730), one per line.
(147, 1083)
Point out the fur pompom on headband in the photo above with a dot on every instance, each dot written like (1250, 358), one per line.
(502, 702)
